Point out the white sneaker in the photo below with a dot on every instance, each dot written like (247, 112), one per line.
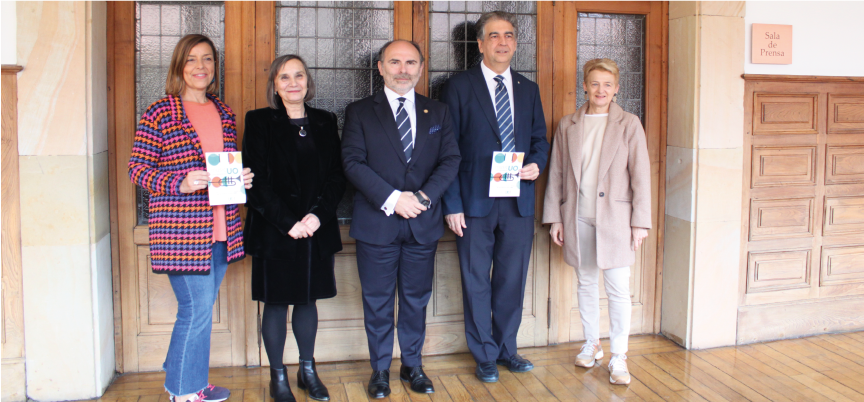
(618, 373)
(589, 353)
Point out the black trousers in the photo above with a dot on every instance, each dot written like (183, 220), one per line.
(409, 267)
(493, 305)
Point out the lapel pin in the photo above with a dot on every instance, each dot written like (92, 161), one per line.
(425, 110)
(518, 82)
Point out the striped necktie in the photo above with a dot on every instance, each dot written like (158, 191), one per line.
(505, 117)
(404, 129)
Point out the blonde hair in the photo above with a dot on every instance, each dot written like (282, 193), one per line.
(608, 65)
(174, 83)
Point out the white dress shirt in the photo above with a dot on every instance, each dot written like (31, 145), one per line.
(489, 76)
(393, 98)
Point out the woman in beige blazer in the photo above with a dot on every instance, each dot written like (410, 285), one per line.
(599, 204)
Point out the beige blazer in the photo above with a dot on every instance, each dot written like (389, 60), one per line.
(623, 186)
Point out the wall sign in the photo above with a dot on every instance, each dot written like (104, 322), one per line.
(772, 44)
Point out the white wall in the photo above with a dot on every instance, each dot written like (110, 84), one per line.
(826, 36)
(8, 56)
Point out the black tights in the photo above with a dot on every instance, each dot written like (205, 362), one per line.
(304, 323)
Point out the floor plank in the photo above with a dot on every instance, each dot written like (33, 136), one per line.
(478, 391)
(454, 388)
(821, 368)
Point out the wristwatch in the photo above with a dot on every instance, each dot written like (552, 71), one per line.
(422, 200)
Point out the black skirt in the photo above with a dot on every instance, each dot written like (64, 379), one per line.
(297, 281)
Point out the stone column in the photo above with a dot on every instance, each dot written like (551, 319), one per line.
(704, 157)
(66, 250)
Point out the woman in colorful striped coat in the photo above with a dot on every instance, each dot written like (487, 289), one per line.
(190, 240)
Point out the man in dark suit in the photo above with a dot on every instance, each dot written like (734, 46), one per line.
(494, 109)
(399, 152)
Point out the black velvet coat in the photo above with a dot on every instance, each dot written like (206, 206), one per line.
(288, 270)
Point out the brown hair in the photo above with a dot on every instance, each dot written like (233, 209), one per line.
(174, 83)
(273, 99)
(480, 26)
(607, 65)
(386, 45)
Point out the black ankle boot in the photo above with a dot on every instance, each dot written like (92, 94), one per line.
(279, 388)
(307, 378)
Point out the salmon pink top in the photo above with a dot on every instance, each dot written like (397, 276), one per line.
(205, 119)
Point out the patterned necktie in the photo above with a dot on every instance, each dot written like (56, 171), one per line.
(505, 117)
(404, 129)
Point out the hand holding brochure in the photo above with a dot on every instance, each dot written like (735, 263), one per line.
(504, 180)
(226, 178)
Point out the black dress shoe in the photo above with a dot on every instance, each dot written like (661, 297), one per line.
(307, 378)
(516, 364)
(417, 378)
(379, 384)
(487, 372)
(279, 388)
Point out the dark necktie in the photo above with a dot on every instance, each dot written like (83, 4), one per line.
(404, 124)
(505, 117)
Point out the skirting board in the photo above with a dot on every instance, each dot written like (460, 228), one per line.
(13, 388)
(793, 320)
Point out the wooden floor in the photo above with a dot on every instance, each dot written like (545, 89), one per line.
(821, 368)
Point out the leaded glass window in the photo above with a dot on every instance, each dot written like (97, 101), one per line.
(339, 40)
(620, 37)
(453, 38)
(158, 28)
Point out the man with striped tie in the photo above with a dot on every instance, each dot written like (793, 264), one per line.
(399, 152)
(494, 109)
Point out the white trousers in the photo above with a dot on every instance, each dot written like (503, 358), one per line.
(617, 281)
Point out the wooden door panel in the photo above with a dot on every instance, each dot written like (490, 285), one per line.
(158, 306)
(842, 265)
(778, 271)
(845, 165)
(348, 304)
(783, 166)
(845, 114)
(785, 114)
(153, 348)
(771, 219)
(446, 302)
(843, 215)
(804, 239)
(157, 312)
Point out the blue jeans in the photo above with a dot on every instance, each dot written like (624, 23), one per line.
(188, 362)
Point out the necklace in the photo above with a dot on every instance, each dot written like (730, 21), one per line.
(302, 130)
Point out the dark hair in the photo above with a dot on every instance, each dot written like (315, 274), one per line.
(386, 45)
(480, 26)
(174, 82)
(272, 97)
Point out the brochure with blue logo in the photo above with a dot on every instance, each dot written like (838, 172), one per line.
(226, 178)
(504, 179)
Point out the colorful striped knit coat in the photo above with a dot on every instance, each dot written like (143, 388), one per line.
(181, 225)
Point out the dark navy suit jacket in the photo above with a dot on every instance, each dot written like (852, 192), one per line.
(375, 164)
(476, 129)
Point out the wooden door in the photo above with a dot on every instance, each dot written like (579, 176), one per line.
(634, 34)
(802, 260)
(341, 334)
(141, 38)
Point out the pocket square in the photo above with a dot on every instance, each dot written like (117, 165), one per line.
(434, 129)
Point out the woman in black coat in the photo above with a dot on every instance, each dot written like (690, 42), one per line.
(291, 227)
